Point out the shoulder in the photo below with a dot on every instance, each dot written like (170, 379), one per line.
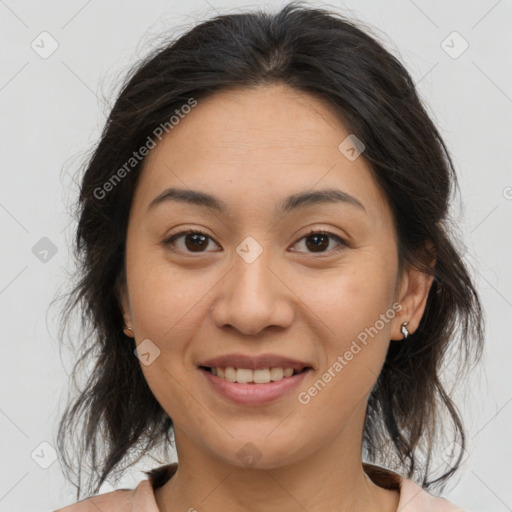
(414, 498)
(140, 499)
(121, 500)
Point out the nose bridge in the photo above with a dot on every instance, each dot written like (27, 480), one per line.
(252, 275)
(252, 296)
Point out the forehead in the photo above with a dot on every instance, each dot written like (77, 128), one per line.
(259, 144)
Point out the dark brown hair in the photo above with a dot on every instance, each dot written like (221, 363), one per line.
(115, 419)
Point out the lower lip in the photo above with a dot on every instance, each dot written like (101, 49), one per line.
(254, 394)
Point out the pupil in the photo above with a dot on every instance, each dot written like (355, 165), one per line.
(199, 241)
(323, 244)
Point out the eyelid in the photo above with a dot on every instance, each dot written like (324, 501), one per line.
(322, 231)
(169, 240)
(312, 231)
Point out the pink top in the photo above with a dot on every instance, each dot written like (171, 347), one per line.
(413, 498)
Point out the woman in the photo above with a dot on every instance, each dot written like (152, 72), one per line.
(269, 277)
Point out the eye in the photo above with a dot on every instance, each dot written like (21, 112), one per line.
(193, 241)
(319, 241)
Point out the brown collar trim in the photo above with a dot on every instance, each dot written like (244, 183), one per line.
(159, 476)
(380, 476)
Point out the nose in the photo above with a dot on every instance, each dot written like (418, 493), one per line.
(254, 296)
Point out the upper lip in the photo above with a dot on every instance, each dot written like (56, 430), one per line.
(254, 362)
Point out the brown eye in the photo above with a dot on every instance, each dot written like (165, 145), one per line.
(192, 241)
(196, 242)
(319, 242)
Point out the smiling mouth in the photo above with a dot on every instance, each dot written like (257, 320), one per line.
(249, 376)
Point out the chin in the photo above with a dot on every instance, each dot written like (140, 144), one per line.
(261, 452)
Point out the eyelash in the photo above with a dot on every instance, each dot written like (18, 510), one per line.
(342, 244)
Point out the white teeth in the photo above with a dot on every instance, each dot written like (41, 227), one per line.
(288, 372)
(276, 373)
(261, 376)
(246, 375)
(230, 374)
(243, 375)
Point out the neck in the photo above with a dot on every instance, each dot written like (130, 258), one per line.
(319, 482)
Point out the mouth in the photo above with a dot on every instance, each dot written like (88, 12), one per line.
(254, 387)
(254, 380)
(256, 376)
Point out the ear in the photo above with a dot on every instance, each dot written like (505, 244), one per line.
(413, 295)
(414, 289)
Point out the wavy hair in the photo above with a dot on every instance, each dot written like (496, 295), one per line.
(114, 419)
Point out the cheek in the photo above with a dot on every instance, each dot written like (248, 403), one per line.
(353, 352)
(351, 298)
(167, 310)
(354, 316)
(164, 299)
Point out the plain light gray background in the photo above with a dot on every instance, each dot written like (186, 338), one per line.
(53, 111)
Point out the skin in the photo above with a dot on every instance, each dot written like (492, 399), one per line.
(252, 148)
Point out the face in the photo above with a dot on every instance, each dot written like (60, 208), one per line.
(251, 272)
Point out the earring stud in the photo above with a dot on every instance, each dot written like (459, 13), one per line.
(404, 330)
(126, 328)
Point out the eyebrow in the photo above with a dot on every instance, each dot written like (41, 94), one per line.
(290, 203)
